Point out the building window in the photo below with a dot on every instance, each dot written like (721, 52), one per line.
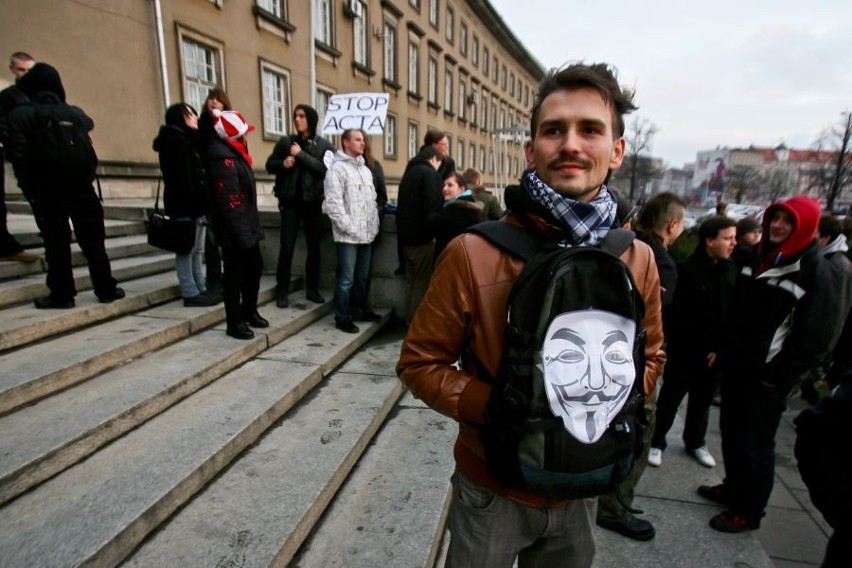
(323, 98)
(491, 161)
(434, 8)
(485, 55)
(484, 111)
(512, 85)
(415, 3)
(460, 155)
(274, 7)
(474, 52)
(503, 77)
(360, 34)
(462, 98)
(471, 162)
(527, 96)
(276, 100)
(390, 137)
(324, 22)
(494, 112)
(413, 68)
(482, 158)
(413, 139)
(495, 68)
(463, 39)
(201, 71)
(433, 80)
(448, 90)
(390, 52)
(473, 104)
(451, 24)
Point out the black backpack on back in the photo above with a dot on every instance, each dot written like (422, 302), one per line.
(61, 138)
(566, 409)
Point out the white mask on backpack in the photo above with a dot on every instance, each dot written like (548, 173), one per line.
(588, 369)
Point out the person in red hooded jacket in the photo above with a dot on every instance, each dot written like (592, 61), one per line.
(785, 314)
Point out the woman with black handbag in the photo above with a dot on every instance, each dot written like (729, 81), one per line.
(184, 196)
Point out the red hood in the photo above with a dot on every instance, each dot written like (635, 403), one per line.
(805, 212)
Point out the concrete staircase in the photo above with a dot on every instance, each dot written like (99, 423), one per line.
(137, 433)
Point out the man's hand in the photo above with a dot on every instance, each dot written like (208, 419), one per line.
(711, 358)
(295, 149)
(289, 162)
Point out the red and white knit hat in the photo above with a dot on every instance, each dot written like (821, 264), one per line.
(230, 124)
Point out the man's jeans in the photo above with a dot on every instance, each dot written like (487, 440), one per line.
(353, 277)
(487, 530)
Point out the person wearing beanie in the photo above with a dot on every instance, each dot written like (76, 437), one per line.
(236, 221)
(748, 235)
(299, 168)
(784, 317)
(58, 191)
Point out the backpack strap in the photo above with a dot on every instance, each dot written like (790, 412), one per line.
(617, 241)
(512, 239)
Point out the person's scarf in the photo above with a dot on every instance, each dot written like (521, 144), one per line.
(240, 146)
(464, 195)
(586, 224)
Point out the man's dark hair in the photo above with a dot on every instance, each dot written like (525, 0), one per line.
(426, 153)
(710, 228)
(433, 136)
(830, 226)
(21, 56)
(658, 211)
(598, 76)
(721, 208)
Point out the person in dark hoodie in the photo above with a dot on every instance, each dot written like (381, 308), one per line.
(419, 196)
(185, 196)
(784, 318)
(297, 162)
(57, 194)
(236, 222)
(460, 212)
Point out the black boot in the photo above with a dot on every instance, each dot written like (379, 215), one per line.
(254, 319)
(240, 330)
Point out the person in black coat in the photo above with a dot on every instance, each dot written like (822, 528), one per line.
(185, 196)
(460, 212)
(419, 196)
(236, 222)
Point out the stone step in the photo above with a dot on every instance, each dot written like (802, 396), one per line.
(24, 229)
(24, 324)
(117, 247)
(259, 511)
(28, 288)
(386, 515)
(114, 402)
(98, 511)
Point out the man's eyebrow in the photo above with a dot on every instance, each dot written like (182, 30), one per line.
(568, 335)
(614, 336)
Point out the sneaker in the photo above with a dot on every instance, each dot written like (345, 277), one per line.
(715, 493)
(200, 300)
(368, 315)
(731, 522)
(282, 301)
(256, 320)
(240, 331)
(22, 256)
(631, 527)
(346, 326)
(315, 297)
(116, 294)
(703, 456)
(655, 457)
(51, 303)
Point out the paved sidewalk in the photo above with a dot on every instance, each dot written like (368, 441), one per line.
(793, 533)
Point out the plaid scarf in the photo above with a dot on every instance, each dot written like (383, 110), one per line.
(586, 224)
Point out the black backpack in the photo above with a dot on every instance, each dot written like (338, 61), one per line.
(61, 138)
(566, 410)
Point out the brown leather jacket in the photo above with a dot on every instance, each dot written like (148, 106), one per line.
(465, 306)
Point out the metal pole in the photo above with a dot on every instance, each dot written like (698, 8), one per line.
(161, 40)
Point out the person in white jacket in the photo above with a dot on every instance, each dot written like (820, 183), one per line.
(350, 203)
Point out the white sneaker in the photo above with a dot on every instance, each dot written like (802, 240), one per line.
(703, 456)
(655, 457)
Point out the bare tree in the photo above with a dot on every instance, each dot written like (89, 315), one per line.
(834, 176)
(640, 137)
(742, 180)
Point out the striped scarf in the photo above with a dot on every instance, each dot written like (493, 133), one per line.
(585, 224)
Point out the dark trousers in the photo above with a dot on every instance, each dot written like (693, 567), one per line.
(678, 381)
(240, 281)
(749, 418)
(308, 214)
(80, 204)
(212, 262)
(8, 244)
(352, 280)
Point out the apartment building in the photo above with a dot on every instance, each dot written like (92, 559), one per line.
(449, 64)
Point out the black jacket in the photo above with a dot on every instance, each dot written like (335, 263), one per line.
(454, 219)
(304, 181)
(668, 278)
(419, 196)
(184, 180)
(236, 221)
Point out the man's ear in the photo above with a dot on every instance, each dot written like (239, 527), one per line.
(617, 156)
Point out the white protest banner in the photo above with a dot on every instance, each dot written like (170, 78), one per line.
(356, 110)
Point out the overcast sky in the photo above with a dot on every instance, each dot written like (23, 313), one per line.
(724, 73)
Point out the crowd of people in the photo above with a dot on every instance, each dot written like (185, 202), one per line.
(757, 311)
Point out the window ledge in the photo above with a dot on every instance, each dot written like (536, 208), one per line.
(273, 19)
(415, 96)
(325, 48)
(361, 68)
(391, 84)
(449, 114)
(434, 106)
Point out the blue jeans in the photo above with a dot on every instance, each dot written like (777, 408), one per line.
(353, 277)
(190, 266)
